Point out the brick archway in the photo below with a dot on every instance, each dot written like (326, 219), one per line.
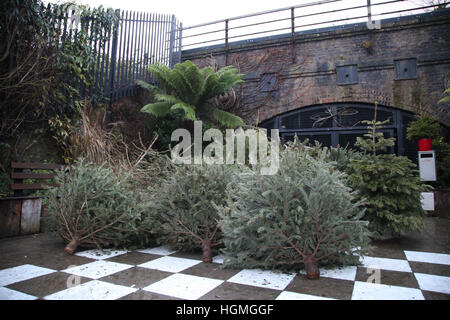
(334, 124)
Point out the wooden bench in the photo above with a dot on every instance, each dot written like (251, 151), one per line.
(19, 174)
(21, 215)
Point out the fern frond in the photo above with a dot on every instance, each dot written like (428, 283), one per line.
(162, 73)
(188, 81)
(227, 119)
(222, 81)
(147, 86)
(158, 109)
(167, 98)
(189, 111)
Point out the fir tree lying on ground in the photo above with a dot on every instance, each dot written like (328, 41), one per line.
(303, 215)
(92, 207)
(182, 211)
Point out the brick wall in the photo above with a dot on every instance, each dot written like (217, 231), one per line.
(282, 76)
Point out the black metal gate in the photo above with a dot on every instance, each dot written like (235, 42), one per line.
(339, 124)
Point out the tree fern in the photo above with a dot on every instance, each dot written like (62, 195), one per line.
(189, 110)
(227, 119)
(191, 89)
(147, 86)
(158, 109)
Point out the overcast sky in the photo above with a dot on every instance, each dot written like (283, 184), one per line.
(192, 12)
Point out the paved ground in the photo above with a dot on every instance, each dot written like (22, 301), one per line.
(415, 267)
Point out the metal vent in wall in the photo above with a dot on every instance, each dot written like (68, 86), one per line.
(405, 69)
(347, 74)
(269, 82)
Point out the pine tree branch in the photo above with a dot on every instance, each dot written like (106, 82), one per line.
(79, 213)
(292, 245)
(214, 233)
(215, 244)
(189, 231)
(102, 228)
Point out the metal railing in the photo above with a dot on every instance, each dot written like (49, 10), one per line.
(135, 41)
(319, 14)
(141, 39)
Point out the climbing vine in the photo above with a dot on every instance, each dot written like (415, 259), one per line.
(45, 59)
(47, 64)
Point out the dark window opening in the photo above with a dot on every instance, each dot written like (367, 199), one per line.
(341, 124)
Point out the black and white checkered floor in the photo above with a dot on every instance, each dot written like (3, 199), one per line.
(157, 273)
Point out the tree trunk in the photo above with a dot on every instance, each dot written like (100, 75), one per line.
(312, 269)
(72, 246)
(207, 252)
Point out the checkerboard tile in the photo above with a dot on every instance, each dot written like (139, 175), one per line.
(428, 257)
(92, 290)
(8, 294)
(162, 251)
(47, 284)
(375, 291)
(393, 278)
(263, 278)
(170, 264)
(211, 270)
(133, 258)
(431, 282)
(136, 277)
(235, 291)
(322, 287)
(386, 264)
(430, 268)
(288, 295)
(21, 273)
(161, 273)
(347, 273)
(184, 286)
(97, 269)
(100, 254)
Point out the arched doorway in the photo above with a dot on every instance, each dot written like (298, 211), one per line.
(341, 123)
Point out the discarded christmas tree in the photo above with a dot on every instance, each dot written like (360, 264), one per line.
(183, 213)
(92, 208)
(304, 215)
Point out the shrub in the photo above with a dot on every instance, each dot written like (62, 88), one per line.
(338, 155)
(442, 149)
(423, 127)
(182, 212)
(392, 190)
(304, 214)
(389, 184)
(93, 207)
(427, 128)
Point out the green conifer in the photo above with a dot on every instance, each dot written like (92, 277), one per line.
(389, 184)
(182, 211)
(303, 215)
